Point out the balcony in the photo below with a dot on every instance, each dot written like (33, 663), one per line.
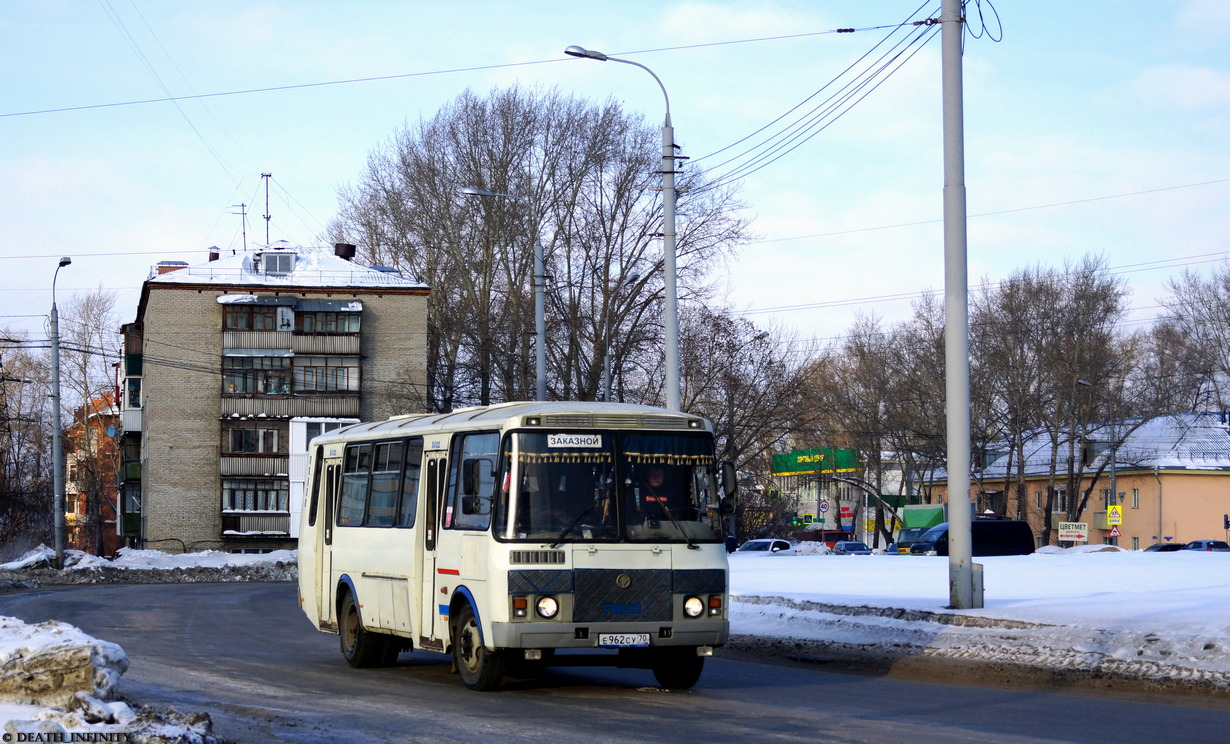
(254, 465)
(132, 419)
(255, 524)
(131, 471)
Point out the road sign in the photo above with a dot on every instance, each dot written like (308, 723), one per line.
(1114, 515)
(824, 507)
(1114, 531)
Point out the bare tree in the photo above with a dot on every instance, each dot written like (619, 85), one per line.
(89, 351)
(25, 446)
(1194, 337)
(579, 178)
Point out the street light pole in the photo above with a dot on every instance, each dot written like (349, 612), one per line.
(539, 281)
(670, 302)
(57, 449)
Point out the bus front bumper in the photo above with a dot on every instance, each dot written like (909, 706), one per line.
(586, 635)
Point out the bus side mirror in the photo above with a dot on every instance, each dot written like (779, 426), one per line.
(471, 471)
(729, 483)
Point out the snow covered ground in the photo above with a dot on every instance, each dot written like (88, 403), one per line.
(1149, 616)
(1146, 616)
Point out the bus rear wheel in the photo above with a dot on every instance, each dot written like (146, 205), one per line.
(479, 668)
(677, 668)
(361, 647)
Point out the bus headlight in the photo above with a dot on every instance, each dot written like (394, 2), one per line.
(693, 607)
(547, 607)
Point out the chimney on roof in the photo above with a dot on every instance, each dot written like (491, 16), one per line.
(344, 250)
(213, 253)
(166, 267)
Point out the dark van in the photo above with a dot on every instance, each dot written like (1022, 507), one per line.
(990, 537)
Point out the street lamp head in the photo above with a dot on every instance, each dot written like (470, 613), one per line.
(475, 191)
(577, 51)
(65, 261)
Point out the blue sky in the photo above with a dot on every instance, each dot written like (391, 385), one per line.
(1079, 105)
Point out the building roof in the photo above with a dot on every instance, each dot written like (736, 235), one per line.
(1186, 441)
(313, 267)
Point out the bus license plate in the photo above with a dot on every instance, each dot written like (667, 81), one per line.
(622, 640)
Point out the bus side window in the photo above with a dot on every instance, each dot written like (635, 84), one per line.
(409, 503)
(355, 477)
(314, 502)
(471, 483)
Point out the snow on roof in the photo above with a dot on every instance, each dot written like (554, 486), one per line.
(313, 267)
(1192, 441)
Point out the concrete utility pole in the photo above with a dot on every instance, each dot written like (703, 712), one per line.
(57, 446)
(964, 592)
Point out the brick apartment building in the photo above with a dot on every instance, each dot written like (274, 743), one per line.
(233, 365)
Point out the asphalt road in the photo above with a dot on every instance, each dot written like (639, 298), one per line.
(246, 655)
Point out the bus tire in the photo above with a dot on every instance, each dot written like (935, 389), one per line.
(362, 648)
(480, 669)
(677, 668)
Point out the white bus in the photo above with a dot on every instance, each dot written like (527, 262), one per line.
(506, 533)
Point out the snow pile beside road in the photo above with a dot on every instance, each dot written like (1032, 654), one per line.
(86, 718)
(56, 664)
(48, 663)
(133, 566)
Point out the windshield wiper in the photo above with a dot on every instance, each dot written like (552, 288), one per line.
(662, 505)
(576, 522)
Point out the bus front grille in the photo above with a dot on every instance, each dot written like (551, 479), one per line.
(616, 595)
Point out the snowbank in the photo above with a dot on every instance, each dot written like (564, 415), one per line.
(50, 662)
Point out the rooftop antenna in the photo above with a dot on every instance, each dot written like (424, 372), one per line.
(266, 176)
(243, 222)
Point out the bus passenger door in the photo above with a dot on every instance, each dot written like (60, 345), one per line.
(324, 549)
(431, 599)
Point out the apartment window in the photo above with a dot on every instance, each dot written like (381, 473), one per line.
(278, 263)
(1135, 543)
(250, 318)
(1135, 498)
(255, 494)
(134, 392)
(132, 498)
(254, 437)
(319, 374)
(1037, 499)
(326, 323)
(259, 375)
(314, 429)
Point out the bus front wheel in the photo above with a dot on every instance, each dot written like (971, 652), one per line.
(480, 669)
(677, 668)
(361, 647)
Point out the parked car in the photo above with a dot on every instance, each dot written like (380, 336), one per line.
(1208, 546)
(850, 547)
(989, 537)
(1164, 547)
(765, 546)
(905, 539)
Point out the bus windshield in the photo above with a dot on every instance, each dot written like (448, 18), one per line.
(609, 486)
